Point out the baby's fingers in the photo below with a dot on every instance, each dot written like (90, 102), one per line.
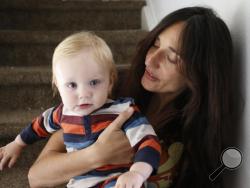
(12, 161)
(118, 186)
(4, 162)
(1, 153)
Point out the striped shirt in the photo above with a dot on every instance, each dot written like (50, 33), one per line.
(81, 131)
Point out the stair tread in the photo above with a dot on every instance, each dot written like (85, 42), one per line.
(19, 116)
(24, 36)
(30, 75)
(19, 172)
(71, 4)
(25, 75)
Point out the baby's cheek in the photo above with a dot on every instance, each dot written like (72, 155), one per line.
(69, 100)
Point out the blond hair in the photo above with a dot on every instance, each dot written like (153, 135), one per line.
(74, 43)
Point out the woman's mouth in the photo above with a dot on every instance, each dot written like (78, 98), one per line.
(150, 76)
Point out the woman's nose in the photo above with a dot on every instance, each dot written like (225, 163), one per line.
(153, 59)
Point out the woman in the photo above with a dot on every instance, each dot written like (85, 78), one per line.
(180, 78)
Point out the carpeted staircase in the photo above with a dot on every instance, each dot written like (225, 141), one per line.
(29, 31)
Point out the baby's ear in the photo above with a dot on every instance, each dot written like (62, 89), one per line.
(112, 81)
(111, 84)
(54, 86)
(54, 81)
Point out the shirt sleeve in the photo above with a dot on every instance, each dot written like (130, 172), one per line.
(43, 125)
(143, 139)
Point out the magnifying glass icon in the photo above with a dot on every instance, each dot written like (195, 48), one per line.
(231, 159)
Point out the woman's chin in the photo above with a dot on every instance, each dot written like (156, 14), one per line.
(146, 85)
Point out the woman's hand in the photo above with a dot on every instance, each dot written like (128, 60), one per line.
(113, 146)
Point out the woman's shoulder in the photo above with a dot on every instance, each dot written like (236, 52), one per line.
(169, 166)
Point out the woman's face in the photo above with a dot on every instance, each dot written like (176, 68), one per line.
(162, 73)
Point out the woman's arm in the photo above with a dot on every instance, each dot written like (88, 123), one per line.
(54, 166)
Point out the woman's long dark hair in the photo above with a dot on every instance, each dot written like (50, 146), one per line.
(205, 107)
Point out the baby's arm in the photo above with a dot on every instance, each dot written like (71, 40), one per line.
(40, 128)
(143, 139)
(10, 153)
(134, 178)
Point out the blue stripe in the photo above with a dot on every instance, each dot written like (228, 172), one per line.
(95, 173)
(29, 136)
(108, 172)
(68, 137)
(119, 101)
(87, 125)
(150, 156)
(111, 184)
(137, 119)
(122, 100)
(79, 145)
(83, 177)
(74, 138)
(51, 122)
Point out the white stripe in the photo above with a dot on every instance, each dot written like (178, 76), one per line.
(89, 181)
(70, 149)
(68, 112)
(114, 109)
(46, 116)
(135, 134)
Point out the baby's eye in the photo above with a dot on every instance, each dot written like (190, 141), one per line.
(94, 82)
(71, 85)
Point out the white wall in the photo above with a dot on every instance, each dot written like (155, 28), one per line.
(236, 13)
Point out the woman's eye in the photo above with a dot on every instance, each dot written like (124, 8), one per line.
(94, 82)
(71, 85)
(172, 59)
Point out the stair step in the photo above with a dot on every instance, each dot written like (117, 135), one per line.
(70, 14)
(26, 88)
(16, 177)
(12, 122)
(34, 48)
(29, 88)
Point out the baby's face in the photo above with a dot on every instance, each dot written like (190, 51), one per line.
(83, 83)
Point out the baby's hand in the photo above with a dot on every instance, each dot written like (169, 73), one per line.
(130, 179)
(9, 154)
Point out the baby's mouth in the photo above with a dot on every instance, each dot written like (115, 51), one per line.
(85, 106)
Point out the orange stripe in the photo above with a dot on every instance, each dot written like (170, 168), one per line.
(36, 126)
(151, 143)
(73, 129)
(100, 126)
